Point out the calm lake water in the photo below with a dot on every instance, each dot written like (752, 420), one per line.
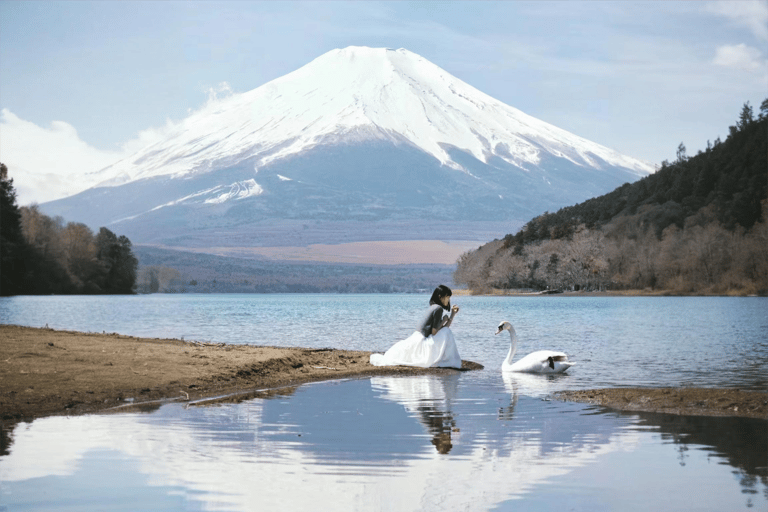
(471, 441)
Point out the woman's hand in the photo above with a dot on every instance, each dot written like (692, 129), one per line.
(448, 319)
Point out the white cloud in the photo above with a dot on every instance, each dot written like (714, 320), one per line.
(51, 163)
(219, 92)
(740, 56)
(751, 14)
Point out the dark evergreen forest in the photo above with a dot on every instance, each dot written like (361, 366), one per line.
(40, 255)
(697, 225)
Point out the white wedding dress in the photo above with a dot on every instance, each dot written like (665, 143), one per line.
(438, 350)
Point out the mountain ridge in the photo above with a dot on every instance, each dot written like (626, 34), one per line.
(350, 111)
(376, 135)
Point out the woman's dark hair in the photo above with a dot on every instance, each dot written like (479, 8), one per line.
(440, 292)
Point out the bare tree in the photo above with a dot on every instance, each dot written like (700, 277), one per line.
(80, 255)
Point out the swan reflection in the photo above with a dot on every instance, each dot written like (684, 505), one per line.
(527, 384)
(507, 413)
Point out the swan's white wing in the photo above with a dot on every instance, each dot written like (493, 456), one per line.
(538, 362)
(531, 363)
(543, 355)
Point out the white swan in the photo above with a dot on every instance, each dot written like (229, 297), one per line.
(541, 361)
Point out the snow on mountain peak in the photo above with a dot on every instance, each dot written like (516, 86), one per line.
(359, 93)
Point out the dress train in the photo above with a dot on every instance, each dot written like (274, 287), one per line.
(438, 350)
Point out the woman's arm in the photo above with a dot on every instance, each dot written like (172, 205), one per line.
(446, 321)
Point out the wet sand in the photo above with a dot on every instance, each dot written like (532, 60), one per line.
(684, 401)
(47, 372)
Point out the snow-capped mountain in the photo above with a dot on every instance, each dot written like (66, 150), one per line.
(359, 134)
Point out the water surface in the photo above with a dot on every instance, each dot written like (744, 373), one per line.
(467, 441)
(386, 443)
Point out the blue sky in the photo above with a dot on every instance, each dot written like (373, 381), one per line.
(83, 84)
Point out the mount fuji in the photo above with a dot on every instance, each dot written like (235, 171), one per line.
(360, 144)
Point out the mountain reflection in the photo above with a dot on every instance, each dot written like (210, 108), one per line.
(389, 443)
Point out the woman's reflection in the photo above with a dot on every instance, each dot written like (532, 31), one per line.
(427, 398)
(440, 424)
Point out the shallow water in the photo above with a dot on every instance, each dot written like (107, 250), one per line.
(470, 441)
(387, 443)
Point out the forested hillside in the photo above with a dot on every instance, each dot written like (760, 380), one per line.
(695, 226)
(43, 255)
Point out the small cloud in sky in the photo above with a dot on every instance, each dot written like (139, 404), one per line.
(740, 56)
(219, 92)
(215, 94)
(48, 163)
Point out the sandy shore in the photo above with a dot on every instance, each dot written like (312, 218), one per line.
(47, 372)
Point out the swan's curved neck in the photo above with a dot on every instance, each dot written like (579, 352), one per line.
(512, 346)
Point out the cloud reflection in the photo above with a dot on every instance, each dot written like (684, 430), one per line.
(251, 455)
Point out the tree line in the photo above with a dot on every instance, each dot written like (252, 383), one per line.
(697, 225)
(44, 255)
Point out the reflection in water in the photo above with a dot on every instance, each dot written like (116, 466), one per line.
(5, 439)
(681, 463)
(428, 399)
(397, 443)
(527, 384)
(245, 396)
(440, 424)
(257, 454)
(507, 412)
(743, 442)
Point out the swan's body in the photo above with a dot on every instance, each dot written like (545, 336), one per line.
(541, 361)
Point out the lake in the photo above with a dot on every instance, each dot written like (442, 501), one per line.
(470, 441)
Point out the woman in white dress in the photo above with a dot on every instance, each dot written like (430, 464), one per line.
(432, 344)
